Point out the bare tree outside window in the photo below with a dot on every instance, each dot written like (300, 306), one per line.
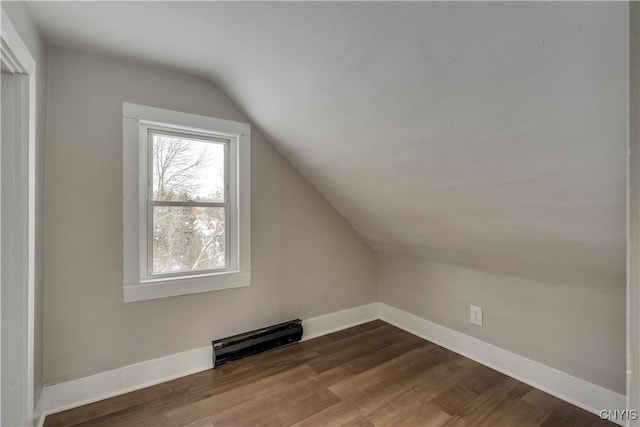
(192, 235)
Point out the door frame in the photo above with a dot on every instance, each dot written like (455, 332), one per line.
(15, 52)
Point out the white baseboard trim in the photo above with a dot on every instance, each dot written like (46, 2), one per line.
(82, 391)
(333, 322)
(71, 394)
(576, 391)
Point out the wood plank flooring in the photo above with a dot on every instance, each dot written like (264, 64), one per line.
(370, 375)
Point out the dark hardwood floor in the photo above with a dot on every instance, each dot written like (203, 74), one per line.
(370, 375)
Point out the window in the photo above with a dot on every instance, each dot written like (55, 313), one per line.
(186, 203)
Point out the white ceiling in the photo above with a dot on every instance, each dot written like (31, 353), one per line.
(488, 135)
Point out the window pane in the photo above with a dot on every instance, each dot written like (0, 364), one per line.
(188, 239)
(185, 169)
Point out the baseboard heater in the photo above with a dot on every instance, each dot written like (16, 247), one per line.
(253, 342)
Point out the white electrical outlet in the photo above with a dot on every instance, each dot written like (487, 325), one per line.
(476, 315)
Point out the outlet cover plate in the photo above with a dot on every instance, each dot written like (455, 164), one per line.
(476, 315)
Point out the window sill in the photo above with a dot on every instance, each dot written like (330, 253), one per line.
(184, 286)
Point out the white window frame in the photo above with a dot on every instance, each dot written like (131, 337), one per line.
(146, 198)
(139, 285)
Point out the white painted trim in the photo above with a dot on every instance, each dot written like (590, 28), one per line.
(21, 54)
(137, 285)
(193, 121)
(192, 285)
(339, 320)
(576, 391)
(71, 394)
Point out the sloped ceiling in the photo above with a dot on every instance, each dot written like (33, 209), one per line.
(488, 135)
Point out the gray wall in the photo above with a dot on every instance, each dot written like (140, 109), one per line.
(633, 246)
(306, 259)
(21, 19)
(578, 331)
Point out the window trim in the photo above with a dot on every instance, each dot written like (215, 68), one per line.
(138, 285)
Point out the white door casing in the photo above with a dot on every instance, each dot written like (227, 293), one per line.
(17, 228)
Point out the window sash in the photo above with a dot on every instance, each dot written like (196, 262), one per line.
(192, 136)
(227, 242)
(228, 226)
(189, 204)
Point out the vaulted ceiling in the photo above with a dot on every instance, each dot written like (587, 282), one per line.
(488, 135)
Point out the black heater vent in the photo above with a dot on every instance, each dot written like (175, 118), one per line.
(253, 342)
